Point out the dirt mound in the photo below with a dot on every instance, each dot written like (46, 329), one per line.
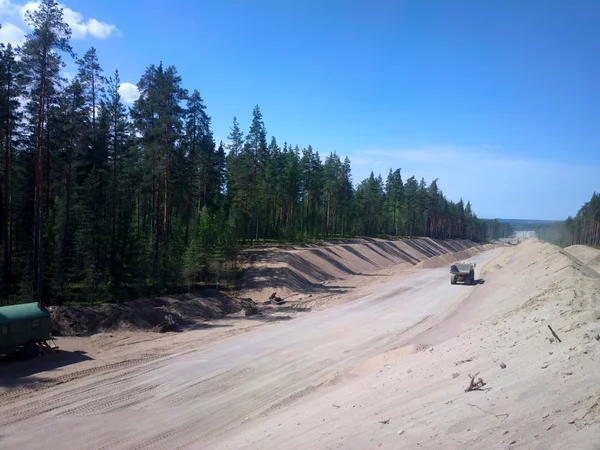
(143, 314)
(587, 255)
(584, 253)
(446, 260)
(304, 269)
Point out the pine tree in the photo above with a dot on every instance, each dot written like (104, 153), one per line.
(411, 204)
(118, 144)
(158, 117)
(10, 119)
(256, 149)
(198, 155)
(41, 63)
(394, 199)
(90, 75)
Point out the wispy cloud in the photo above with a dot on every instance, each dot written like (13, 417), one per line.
(360, 161)
(15, 26)
(498, 183)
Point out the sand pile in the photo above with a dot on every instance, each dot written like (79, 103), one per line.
(587, 255)
(142, 314)
(447, 259)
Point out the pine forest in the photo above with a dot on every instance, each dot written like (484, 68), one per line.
(101, 202)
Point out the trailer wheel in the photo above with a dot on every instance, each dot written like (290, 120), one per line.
(28, 350)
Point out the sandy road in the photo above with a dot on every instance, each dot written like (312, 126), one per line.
(192, 399)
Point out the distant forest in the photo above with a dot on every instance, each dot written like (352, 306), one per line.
(583, 229)
(99, 202)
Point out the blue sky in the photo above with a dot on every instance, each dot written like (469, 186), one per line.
(497, 99)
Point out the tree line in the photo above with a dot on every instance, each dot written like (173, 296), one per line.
(100, 202)
(583, 229)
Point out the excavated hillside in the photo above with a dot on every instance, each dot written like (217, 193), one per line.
(587, 255)
(304, 269)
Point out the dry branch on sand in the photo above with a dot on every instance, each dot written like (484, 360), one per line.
(475, 385)
(554, 334)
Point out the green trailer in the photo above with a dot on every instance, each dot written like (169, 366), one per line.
(24, 329)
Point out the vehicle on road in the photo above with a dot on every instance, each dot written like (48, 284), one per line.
(463, 272)
(24, 329)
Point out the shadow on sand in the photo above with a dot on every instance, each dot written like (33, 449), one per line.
(14, 373)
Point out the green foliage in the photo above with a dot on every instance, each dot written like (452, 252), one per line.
(128, 203)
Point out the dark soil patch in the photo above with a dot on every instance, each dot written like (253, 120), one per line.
(143, 314)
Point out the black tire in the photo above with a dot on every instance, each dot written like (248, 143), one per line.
(452, 279)
(28, 351)
(472, 279)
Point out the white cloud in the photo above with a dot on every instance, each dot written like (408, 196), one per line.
(80, 28)
(101, 30)
(14, 20)
(129, 92)
(11, 34)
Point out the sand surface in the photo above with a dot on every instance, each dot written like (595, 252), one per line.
(588, 255)
(381, 361)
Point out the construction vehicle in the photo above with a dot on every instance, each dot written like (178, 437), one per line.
(24, 330)
(463, 272)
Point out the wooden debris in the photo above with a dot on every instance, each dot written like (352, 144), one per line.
(463, 361)
(168, 325)
(554, 334)
(475, 385)
(275, 299)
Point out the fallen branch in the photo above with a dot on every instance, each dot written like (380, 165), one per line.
(554, 334)
(488, 412)
(475, 385)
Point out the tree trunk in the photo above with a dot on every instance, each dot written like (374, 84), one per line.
(327, 224)
(113, 245)
(7, 206)
(66, 235)
(167, 187)
(157, 224)
(38, 237)
(188, 213)
(254, 215)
